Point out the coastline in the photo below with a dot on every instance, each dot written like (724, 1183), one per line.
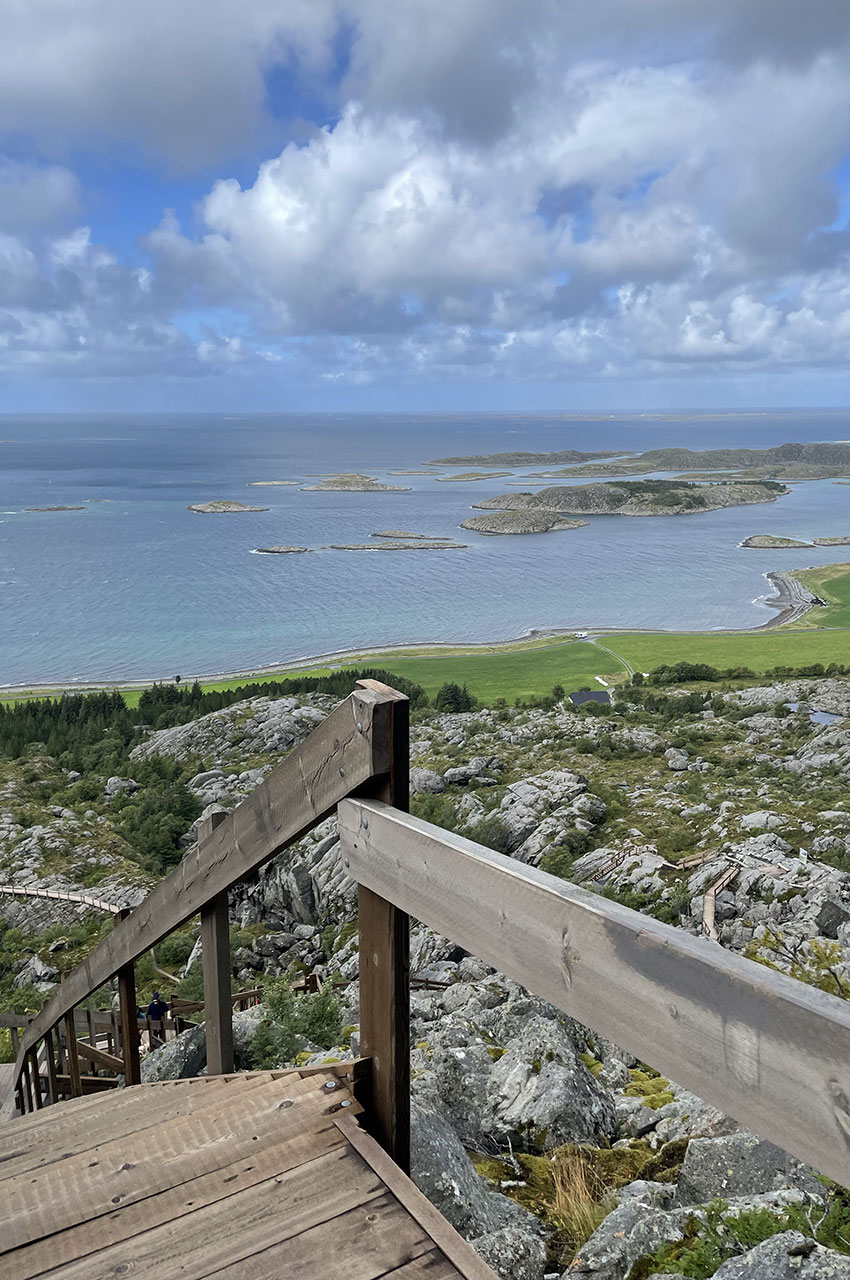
(792, 602)
(792, 599)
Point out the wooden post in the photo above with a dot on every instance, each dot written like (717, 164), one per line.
(127, 1014)
(52, 1086)
(26, 1087)
(385, 964)
(73, 1059)
(215, 956)
(36, 1077)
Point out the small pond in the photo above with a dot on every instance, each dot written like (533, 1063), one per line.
(816, 717)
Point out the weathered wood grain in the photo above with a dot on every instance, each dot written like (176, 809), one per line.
(362, 1244)
(168, 1210)
(453, 1246)
(135, 1165)
(99, 1057)
(348, 749)
(227, 1231)
(385, 964)
(772, 1052)
(215, 950)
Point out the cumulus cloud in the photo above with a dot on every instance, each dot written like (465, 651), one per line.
(498, 191)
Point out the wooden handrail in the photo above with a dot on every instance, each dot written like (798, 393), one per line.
(350, 749)
(763, 1047)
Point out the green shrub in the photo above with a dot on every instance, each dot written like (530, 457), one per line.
(293, 1019)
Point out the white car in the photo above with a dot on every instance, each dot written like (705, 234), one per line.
(580, 635)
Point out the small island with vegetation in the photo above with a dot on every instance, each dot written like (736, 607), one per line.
(637, 498)
(221, 506)
(279, 551)
(424, 545)
(55, 508)
(522, 458)
(793, 461)
(499, 522)
(770, 541)
(473, 475)
(399, 535)
(353, 482)
(272, 484)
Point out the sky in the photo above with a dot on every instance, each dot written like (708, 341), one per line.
(423, 204)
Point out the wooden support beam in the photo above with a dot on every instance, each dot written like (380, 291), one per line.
(343, 753)
(26, 1085)
(71, 1054)
(87, 1084)
(215, 957)
(760, 1046)
(385, 963)
(35, 1075)
(100, 1058)
(129, 1028)
(49, 1050)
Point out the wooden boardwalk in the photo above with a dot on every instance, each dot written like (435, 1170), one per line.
(263, 1176)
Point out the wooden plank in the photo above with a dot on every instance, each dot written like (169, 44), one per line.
(127, 1030)
(348, 749)
(134, 1220)
(215, 951)
(52, 1084)
(428, 1266)
(226, 1232)
(88, 1084)
(362, 1244)
(71, 1052)
(35, 1078)
(99, 1057)
(136, 1165)
(82, 1130)
(772, 1052)
(385, 965)
(459, 1253)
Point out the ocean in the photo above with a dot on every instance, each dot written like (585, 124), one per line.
(135, 586)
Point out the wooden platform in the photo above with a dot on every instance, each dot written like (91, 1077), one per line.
(264, 1176)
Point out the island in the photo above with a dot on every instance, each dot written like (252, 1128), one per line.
(221, 506)
(833, 542)
(473, 475)
(397, 546)
(55, 508)
(522, 458)
(401, 534)
(521, 522)
(279, 551)
(271, 484)
(352, 482)
(638, 498)
(769, 541)
(791, 461)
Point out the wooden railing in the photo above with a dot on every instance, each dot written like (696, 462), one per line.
(361, 747)
(764, 1048)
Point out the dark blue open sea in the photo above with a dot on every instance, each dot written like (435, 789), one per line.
(136, 586)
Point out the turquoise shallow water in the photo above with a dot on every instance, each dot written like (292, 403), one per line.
(136, 586)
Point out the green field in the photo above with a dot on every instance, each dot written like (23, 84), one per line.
(533, 667)
(832, 583)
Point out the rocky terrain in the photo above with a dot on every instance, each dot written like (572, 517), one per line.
(522, 458)
(636, 498)
(221, 506)
(553, 1150)
(793, 461)
(521, 522)
(353, 482)
(769, 541)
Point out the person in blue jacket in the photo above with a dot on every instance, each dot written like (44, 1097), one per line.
(157, 1009)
